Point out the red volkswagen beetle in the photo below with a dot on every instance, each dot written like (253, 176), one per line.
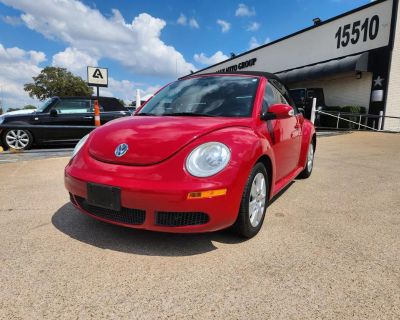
(205, 153)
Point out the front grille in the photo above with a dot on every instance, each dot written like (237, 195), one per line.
(125, 215)
(180, 219)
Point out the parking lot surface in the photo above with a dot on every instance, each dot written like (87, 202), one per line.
(329, 249)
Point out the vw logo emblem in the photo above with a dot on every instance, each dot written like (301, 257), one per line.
(121, 150)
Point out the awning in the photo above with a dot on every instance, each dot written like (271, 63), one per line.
(358, 63)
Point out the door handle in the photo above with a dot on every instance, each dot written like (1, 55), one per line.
(88, 117)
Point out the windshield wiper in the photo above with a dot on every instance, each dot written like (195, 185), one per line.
(189, 114)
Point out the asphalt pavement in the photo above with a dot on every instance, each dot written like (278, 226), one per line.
(329, 249)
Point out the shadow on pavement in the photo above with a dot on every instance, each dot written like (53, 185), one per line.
(83, 228)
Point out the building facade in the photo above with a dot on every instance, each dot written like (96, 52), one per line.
(354, 57)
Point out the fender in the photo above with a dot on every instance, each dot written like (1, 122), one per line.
(308, 133)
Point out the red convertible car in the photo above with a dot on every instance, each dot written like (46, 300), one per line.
(205, 153)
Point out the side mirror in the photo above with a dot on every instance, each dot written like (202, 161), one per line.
(53, 113)
(278, 111)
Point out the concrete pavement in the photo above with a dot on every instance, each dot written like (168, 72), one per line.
(329, 249)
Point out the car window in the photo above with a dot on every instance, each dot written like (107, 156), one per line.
(270, 97)
(287, 99)
(71, 106)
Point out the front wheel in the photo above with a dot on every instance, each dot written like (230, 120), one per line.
(17, 139)
(254, 203)
(310, 162)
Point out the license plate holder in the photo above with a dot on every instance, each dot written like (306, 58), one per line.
(106, 197)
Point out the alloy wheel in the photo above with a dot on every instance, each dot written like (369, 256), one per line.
(17, 139)
(257, 199)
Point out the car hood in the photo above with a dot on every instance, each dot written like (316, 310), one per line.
(151, 140)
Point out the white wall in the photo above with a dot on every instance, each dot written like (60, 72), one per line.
(342, 90)
(393, 98)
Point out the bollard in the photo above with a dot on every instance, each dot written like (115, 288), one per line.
(313, 110)
(96, 113)
(380, 120)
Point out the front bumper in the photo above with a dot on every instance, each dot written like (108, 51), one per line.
(159, 206)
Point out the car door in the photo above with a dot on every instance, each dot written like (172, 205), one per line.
(284, 134)
(68, 120)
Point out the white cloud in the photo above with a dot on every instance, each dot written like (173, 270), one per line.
(253, 43)
(244, 11)
(74, 60)
(136, 46)
(254, 26)
(12, 20)
(182, 20)
(225, 25)
(215, 58)
(17, 68)
(193, 23)
(126, 90)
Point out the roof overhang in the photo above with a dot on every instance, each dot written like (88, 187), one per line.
(357, 63)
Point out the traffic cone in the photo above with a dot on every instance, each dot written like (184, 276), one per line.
(96, 113)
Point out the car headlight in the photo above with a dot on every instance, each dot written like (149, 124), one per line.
(79, 145)
(208, 159)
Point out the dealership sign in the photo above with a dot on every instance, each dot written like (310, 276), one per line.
(353, 33)
(97, 76)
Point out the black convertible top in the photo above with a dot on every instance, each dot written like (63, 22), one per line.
(249, 73)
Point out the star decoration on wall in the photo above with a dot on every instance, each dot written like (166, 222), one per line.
(378, 81)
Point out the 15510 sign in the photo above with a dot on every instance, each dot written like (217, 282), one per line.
(353, 33)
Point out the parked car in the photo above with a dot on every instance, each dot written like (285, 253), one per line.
(205, 153)
(57, 121)
(303, 98)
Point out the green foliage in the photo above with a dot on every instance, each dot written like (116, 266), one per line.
(28, 106)
(121, 102)
(53, 81)
(13, 109)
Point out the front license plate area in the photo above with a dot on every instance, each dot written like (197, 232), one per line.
(106, 197)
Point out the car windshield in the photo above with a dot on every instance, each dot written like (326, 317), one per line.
(45, 105)
(212, 96)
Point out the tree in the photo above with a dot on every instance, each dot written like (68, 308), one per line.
(28, 106)
(13, 109)
(1, 111)
(53, 81)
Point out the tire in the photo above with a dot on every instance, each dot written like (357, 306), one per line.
(249, 222)
(18, 139)
(306, 173)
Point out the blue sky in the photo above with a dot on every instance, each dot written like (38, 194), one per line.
(144, 44)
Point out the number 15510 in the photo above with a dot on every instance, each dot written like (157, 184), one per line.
(355, 32)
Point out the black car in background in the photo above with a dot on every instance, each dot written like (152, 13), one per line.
(58, 121)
